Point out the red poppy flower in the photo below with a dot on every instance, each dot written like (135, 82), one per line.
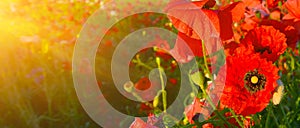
(289, 31)
(222, 19)
(187, 12)
(293, 17)
(293, 8)
(250, 82)
(147, 89)
(143, 84)
(267, 41)
(173, 81)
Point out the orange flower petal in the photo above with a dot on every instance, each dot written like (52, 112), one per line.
(293, 8)
(252, 3)
(236, 10)
(188, 15)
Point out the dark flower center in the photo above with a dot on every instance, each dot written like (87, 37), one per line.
(263, 49)
(254, 81)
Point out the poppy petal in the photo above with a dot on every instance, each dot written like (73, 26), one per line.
(293, 8)
(236, 10)
(188, 17)
(227, 15)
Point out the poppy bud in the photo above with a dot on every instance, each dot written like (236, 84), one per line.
(155, 101)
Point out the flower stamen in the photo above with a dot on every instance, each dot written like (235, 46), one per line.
(254, 81)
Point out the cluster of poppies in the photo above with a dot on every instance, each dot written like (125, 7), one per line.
(254, 33)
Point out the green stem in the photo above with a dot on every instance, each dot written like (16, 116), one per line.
(205, 60)
(163, 91)
(140, 63)
(204, 91)
(236, 118)
(215, 109)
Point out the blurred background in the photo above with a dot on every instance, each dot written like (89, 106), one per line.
(36, 43)
(37, 38)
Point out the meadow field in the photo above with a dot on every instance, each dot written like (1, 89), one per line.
(37, 41)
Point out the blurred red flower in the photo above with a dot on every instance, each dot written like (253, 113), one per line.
(273, 3)
(293, 8)
(293, 17)
(186, 19)
(146, 88)
(173, 81)
(252, 3)
(222, 19)
(145, 108)
(267, 41)
(250, 82)
(143, 84)
(287, 30)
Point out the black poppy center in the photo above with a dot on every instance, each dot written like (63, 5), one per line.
(263, 49)
(254, 81)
